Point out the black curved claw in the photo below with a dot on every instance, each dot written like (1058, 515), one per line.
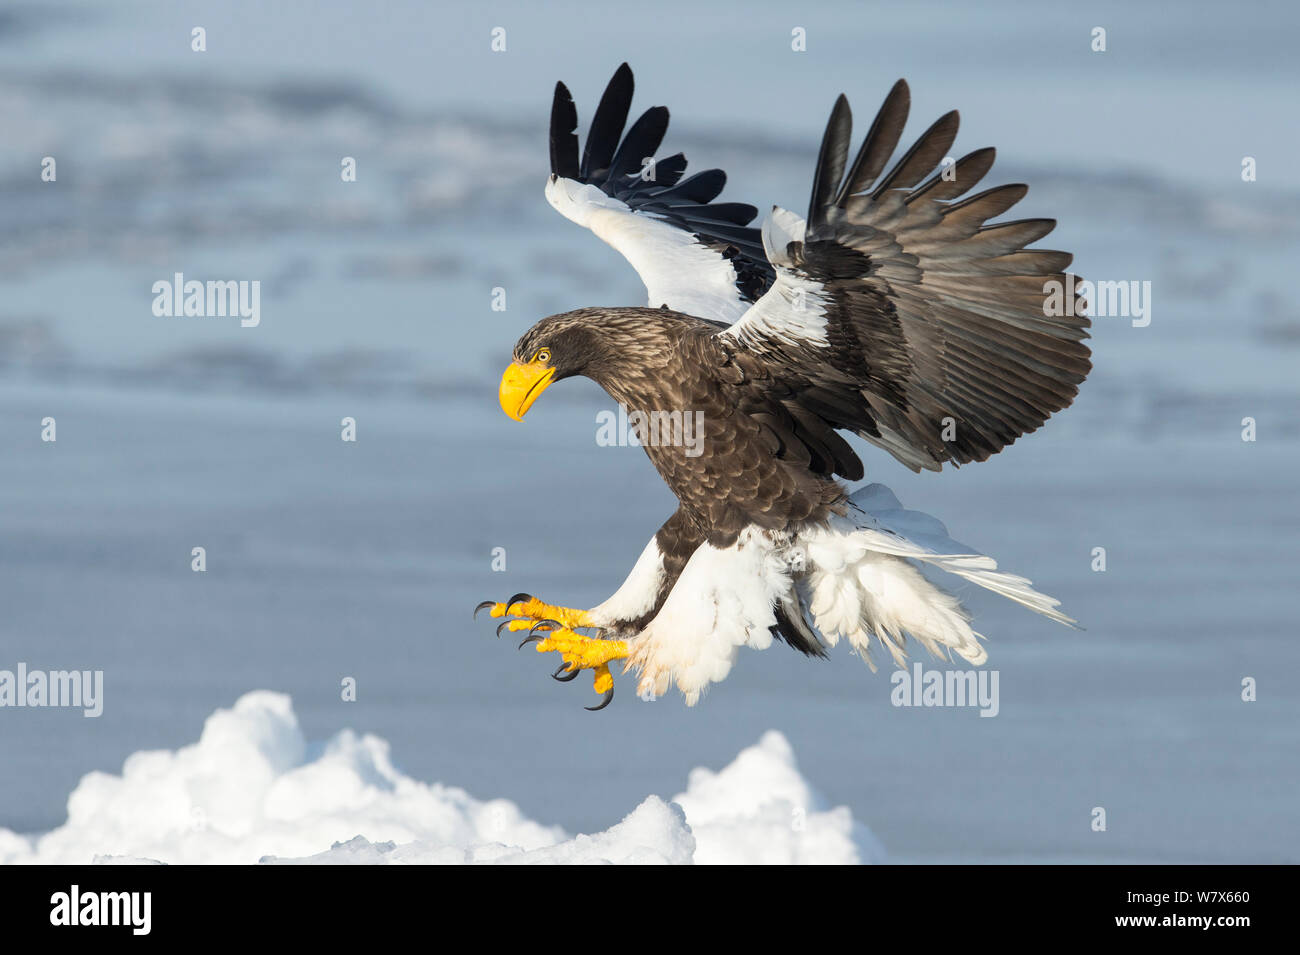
(502, 625)
(483, 606)
(568, 674)
(531, 638)
(518, 598)
(609, 698)
(548, 626)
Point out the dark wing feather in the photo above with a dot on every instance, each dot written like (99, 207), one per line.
(880, 143)
(903, 316)
(701, 188)
(831, 158)
(607, 125)
(641, 142)
(564, 134)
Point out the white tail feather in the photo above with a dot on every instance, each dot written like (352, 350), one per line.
(920, 536)
(859, 582)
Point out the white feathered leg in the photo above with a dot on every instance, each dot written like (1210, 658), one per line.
(722, 602)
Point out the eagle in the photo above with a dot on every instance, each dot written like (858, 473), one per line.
(895, 312)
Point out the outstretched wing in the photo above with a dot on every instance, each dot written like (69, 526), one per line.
(695, 255)
(900, 315)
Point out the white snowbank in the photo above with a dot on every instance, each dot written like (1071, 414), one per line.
(252, 789)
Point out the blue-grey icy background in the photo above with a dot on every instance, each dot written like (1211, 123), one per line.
(328, 559)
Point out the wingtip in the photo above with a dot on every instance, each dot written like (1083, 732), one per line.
(623, 76)
(901, 92)
(563, 135)
(841, 110)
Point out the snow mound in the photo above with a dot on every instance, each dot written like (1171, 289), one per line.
(252, 789)
(655, 833)
(760, 810)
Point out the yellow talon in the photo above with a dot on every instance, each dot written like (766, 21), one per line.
(586, 653)
(578, 652)
(583, 653)
(534, 609)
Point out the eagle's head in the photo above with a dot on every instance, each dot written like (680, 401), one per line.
(607, 345)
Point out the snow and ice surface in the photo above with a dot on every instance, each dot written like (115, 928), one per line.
(329, 560)
(252, 788)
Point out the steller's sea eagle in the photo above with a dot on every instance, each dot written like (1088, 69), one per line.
(893, 312)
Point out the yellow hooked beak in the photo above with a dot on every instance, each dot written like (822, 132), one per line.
(521, 385)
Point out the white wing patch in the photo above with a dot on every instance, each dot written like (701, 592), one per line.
(794, 308)
(678, 270)
(780, 228)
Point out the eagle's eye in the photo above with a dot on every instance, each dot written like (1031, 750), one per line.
(543, 355)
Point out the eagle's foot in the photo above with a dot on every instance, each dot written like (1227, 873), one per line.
(530, 611)
(579, 653)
